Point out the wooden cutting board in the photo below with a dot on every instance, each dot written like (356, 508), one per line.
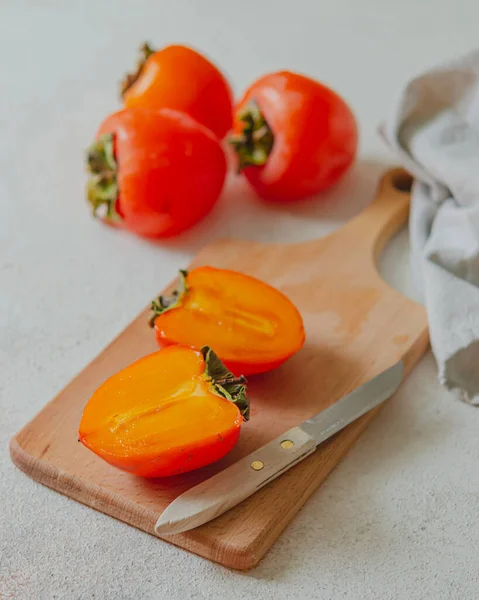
(356, 326)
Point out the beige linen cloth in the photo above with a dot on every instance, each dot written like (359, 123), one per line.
(434, 131)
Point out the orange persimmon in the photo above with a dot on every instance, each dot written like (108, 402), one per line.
(252, 326)
(294, 136)
(181, 78)
(172, 411)
(154, 172)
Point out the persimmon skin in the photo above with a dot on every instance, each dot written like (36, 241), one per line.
(181, 78)
(218, 294)
(145, 419)
(171, 170)
(315, 136)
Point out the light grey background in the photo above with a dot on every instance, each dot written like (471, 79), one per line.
(398, 519)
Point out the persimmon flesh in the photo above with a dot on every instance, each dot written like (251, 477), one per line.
(166, 413)
(252, 326)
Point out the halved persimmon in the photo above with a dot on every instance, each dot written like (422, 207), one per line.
(252, 326)
(172, 411)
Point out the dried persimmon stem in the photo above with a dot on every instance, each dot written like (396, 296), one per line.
(232, 380)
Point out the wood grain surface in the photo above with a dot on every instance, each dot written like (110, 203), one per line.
(356, 326)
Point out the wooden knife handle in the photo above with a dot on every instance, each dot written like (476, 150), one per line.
(228, 488)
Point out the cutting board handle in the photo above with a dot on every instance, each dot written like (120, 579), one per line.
(384, 216)
(360, 241)
(363, 238)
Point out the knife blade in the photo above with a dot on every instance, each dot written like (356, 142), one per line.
(229, 487)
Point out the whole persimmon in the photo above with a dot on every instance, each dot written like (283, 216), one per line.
(294, 136)
(154, 172)
(181, 78)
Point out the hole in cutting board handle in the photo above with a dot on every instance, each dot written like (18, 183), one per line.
(402, 181)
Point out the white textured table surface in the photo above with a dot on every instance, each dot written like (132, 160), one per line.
(399, 517)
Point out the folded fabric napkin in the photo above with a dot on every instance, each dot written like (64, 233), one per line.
(434, 131)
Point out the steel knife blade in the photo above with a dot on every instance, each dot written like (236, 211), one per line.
(229, 487)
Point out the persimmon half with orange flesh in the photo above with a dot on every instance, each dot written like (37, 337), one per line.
(252, 326)
(172, 411)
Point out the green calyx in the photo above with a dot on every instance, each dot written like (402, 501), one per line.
(255, 143)
(163, 303)
(130, 78)
(224, 383)
(102, 186)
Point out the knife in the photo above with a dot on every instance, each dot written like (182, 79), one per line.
(229, 487)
